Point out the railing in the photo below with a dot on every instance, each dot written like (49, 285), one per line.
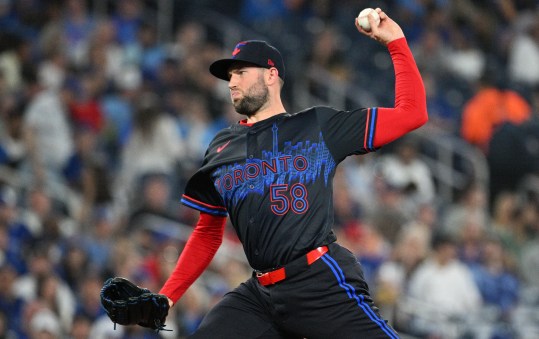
(450, 150)
(337, 93)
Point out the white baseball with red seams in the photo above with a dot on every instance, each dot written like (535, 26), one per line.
(363, 19)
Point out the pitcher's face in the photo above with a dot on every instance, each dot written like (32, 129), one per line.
(248, 91)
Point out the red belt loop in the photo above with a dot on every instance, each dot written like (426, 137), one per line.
(316, 254)
(272, 277)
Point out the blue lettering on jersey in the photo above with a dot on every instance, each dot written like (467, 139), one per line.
(303, 162)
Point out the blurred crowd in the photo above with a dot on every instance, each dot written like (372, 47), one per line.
(104, 116)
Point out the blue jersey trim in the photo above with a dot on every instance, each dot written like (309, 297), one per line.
(350, 290)
(203, 207)
(372, 129)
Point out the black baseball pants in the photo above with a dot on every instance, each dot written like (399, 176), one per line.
(328, 299)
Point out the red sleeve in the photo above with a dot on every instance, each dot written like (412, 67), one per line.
(410, 111)
(196, 256)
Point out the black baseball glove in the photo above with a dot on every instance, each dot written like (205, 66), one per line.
(129, 304)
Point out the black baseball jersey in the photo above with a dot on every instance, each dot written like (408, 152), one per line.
(274, 179)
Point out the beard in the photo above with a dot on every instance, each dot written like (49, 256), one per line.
(255, 97)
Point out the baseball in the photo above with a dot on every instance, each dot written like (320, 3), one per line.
(364, 21)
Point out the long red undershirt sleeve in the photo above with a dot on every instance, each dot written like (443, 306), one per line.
(410, 111)
(196, 255)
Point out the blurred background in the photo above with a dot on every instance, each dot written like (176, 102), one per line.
(106, 108)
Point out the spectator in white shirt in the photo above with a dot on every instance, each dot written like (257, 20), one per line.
(405, 169)
(443, 287)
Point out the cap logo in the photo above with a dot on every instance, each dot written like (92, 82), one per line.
(237, 49)
(257, 53)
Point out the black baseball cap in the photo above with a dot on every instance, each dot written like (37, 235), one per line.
(256, 52)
